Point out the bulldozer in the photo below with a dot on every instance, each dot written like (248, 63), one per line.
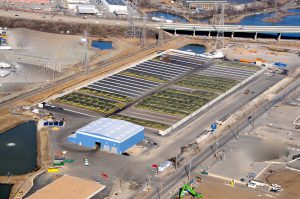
(187, 188)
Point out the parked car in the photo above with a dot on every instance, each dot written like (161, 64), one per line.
(247, 92)
(86, 162)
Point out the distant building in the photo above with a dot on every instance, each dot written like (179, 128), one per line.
(29, 1)
(86, 9)
(201, 4)
(72, 5)
(115, 6)
(78, 1)
(115, 136)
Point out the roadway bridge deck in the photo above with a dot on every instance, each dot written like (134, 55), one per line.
(209, 29)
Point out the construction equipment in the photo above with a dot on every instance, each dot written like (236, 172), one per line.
(246, 61)
(188, 188)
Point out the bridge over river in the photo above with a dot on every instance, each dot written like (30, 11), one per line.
(232, 30)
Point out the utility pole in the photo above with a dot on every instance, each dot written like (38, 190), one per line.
(275, 6)
(85, 61)
(160, 36)
(189, 171)
(176, 162)
(148, 182)
(144, 33)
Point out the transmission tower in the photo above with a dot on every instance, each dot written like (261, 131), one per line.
(219, 21)
(144, 33)
(57, 8)
(131, 30)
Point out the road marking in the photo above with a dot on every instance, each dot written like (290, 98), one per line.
(78, 112)
(263, 170)
(269, 196)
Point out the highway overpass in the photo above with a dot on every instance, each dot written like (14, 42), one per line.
(231, 30)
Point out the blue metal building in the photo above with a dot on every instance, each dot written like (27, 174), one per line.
(115, 136)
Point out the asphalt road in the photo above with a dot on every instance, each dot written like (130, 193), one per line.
(228, 135)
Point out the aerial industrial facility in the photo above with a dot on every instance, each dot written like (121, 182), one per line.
(147, 99)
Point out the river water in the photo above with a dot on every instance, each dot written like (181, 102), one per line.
(165, 15)
(286, 21)
(257, 20)
(5, 190)
(249, 20)
(18, 150)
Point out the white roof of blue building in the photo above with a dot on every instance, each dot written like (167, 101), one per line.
(115, 2)
(117, 130)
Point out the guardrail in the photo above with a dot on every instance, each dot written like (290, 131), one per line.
(184, 120)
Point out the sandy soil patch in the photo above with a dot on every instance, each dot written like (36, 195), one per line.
(289, 180)
(269, 53)
(55, 51)
(68, 187)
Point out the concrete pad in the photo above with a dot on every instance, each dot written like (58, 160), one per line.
(68, 187)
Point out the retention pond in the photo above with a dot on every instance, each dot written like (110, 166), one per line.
(195, 48)
(102, 45)
(18, 150)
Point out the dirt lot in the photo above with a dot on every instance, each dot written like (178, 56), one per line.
(289, 180)
(213, 188)
(55, 51)
(276, 52)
